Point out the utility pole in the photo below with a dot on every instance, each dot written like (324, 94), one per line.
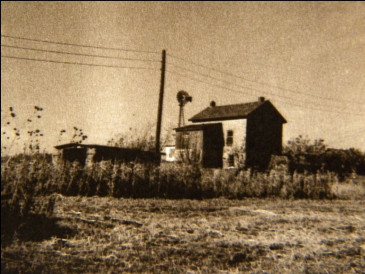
(160, 103)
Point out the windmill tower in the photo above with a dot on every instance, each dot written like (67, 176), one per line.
(182, 97)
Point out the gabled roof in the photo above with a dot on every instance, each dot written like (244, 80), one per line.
(237, 111)
(230, 112)
(197, 127)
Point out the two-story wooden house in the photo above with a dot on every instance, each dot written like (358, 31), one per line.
(246, 134)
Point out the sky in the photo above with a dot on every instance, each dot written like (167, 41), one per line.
(307, 58)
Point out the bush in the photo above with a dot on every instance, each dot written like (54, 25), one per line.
(344, 162)
(305, 155)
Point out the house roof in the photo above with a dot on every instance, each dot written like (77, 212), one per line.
(229, 112)
(197, 127)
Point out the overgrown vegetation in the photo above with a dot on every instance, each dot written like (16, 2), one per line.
(23, 179)
(26, 176)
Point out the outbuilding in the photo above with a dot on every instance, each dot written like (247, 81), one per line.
(87, 154)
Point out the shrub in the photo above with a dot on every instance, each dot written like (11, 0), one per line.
(305, 155)
(344, 162)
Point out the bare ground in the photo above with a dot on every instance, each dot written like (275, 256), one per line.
(210, 236)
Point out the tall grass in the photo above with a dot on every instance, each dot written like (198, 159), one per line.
(36, 175)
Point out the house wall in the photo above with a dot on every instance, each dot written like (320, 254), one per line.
(264, 137)
(213, 143)
(208, 152)
(73, 154)
(189, 146)
(237, 148)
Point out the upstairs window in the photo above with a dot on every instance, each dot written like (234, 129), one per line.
(229, 140)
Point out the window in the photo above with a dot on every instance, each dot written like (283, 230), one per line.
(230, 160)
(185, 140)
(229, 140)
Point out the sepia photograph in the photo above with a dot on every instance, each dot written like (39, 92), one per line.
(182, 137)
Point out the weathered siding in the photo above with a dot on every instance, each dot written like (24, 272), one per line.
(238, 146)
(189, 146)
(213, 143)
(264, 137)
(202, 144)
(74, 154)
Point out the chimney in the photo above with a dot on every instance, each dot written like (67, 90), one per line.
(261, 99)
(212, 104)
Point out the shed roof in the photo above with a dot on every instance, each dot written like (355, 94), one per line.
(76, 145)
(197, 127)
(229, 112)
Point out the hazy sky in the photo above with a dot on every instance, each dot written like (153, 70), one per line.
(307, 58)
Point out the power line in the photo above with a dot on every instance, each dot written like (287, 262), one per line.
(224, 81)
(81, 54)
(241, 92)
(262, 83)
(75, 63)
(173, 72)
(201, 81)
(245, 87)
(78, 45)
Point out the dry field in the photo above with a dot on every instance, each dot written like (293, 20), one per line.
(109, 235)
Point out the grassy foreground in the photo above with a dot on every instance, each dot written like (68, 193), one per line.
(110, 235)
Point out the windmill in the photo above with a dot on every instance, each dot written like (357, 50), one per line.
(182, 97)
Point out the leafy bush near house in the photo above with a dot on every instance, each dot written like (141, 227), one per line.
(307, 155)
(344, 161)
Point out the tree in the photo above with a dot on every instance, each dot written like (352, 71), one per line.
(303, 145)
(305, 154)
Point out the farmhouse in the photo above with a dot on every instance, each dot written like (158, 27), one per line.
(246, 134)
